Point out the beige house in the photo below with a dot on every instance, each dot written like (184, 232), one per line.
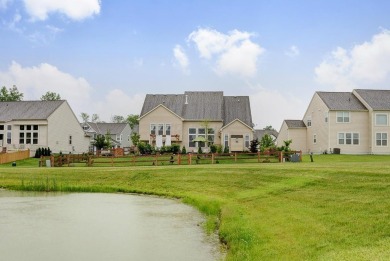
(185, 118)
(350, 122)
(41, 124)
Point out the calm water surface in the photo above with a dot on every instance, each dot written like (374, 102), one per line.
(86, 226)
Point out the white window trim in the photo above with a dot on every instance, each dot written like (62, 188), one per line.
(381, 146)
(387, 119)
(345, 138)
(249, 140)
(342, 122)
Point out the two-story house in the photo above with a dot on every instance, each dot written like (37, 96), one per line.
(354, 122)
(187, 119)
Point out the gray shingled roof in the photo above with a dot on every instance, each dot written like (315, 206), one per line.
(103, 127)
(376, 99)
(260, 133)
(237, 107)
(345, 101)
(295, 123)
(27, 110)
(202, 105)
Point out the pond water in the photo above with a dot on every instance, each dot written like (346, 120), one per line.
(97, 226)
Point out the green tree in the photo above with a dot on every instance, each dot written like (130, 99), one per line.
(133, 120)
(95, 118)
(11, 94)
(117, 119)
(254, 145)
(50, 96)
(266, 142)
(100, 142)
(84, 116)
(135, 138)
(269, 127)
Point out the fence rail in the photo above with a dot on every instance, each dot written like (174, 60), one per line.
(168, 159)
(14, 156)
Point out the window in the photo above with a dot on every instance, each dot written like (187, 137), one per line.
(191, 137)
(247, 140)
(167, 129)
(226, 140)
(309, 123)
(28, 134)
(381, 119)
(348, 138)
(341, 138)
(1, 127)
(315, 138)
(152, 128)
(9, 134)
(160, 129)
(70, 140)
(210, 136)
(326, 116)
(343, 116)
(381, 139)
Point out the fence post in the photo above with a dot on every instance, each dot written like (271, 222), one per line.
(178, 159)
(189, 158)
(212, 158)
(155, 159)
(235, 156)
(300, 155)
(258, 156)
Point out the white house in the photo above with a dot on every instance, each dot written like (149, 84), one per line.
(41, 124)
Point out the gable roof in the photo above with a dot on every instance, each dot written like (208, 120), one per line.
(103, 127)
(260, 133)
(27, 110)
(376, 99)
(344, 101)
(295, 124)
(200, 106)
(237, 107)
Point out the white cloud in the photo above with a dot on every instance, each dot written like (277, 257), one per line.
(73, 9)
(293, 51)
(271, 107)
(118, 102)
(35, 81)
(363, 66)
(181, 57)
(234, 52)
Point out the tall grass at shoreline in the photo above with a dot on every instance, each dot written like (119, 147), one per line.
(336, 208)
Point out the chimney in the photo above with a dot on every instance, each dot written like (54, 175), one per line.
(186, 99)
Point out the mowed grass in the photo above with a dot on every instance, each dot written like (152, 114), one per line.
(335, 208)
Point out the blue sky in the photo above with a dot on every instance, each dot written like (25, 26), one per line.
(104, 56)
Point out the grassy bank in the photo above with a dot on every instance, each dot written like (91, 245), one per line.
(336, 208)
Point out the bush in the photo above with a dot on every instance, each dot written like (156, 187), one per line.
(226, 149)
(183, 150)
(175, 148)
(145, 148)
(213, 148)
(253, 146)
(219, 149)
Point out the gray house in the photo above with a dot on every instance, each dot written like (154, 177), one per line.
(119, 132)
(36, 124)
(183, 118)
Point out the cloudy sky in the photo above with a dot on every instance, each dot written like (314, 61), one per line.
(104, 56)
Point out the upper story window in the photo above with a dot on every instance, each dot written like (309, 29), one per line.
(381, 119)
(326, 116)
(308, 122)
(343, 116)
(315, 139)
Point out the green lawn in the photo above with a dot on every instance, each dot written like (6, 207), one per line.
(335, 208)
